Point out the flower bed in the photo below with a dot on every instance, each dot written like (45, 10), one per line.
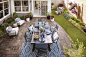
(76, 22)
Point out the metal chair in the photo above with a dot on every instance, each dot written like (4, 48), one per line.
(55, 38)
(28, 36)
(42, 50)
(40, 20)
(56, 27)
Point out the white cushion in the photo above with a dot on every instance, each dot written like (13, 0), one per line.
(14, 31)
(31, 28)
(9, 29)
(27, 19)
(55, 36)
(21, 22)
(17, 19)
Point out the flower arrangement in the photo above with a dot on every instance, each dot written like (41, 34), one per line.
(52, 16)
(74, 4)
(27, 16)
(60, 5)
(72, 7)
(70, 3)
(73, 11)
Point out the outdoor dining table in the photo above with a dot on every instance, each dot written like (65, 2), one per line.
(48, 39)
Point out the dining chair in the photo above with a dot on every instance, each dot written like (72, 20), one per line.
(55, 38)
(52, 28)
(40, 20)
(42, 50)
(56, 27)
(28, 36)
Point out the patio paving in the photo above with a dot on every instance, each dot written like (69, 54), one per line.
(12, 46)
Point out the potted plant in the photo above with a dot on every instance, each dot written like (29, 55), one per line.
(48, 15)
(15, 15)
(52, 17)
(52, 5)
(27, 17)
(22, 17)
(15, 24)
(2, 27)
(30, 15)
(6, 25)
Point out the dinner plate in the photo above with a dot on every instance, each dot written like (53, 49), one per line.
(41, 40)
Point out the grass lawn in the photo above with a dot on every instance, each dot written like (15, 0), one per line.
(73, 31)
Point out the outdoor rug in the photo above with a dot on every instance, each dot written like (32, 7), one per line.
(27, 50)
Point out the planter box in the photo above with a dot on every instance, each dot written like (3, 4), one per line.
(27, 19)
(77, 27)
(48, 17)
(15, 25)
(52, 19)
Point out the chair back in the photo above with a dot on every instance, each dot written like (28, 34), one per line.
(27, 35)
(56, 27)
(40, 20)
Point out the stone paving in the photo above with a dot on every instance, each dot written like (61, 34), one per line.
(12, 46)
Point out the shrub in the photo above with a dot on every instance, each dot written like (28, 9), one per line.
(6, 25)
(73, 22)
(78, 25)
(82, 24)
(52, 4)
(73, 52)
(70, 20)
(14, 22)
(15, 15)
(22, 17)
(66, 11)
(2, 28)
(77, 20)
(30, 14)
(73, 18)
(9, 20)
(66, 16)
(1, 33)
(60, 5)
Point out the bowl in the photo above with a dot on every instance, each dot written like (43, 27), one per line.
(36, 36)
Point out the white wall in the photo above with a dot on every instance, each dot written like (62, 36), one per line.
(56, 2)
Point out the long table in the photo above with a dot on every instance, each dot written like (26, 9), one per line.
(48, 39)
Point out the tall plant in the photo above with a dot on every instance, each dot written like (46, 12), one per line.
(76, 50)
(30, 14)
(15, 15)
(48, 14)
(52, 4)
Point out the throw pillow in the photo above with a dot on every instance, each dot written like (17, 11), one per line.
(31, 28)
(9, 29)
(17, 19)
(55, 36)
